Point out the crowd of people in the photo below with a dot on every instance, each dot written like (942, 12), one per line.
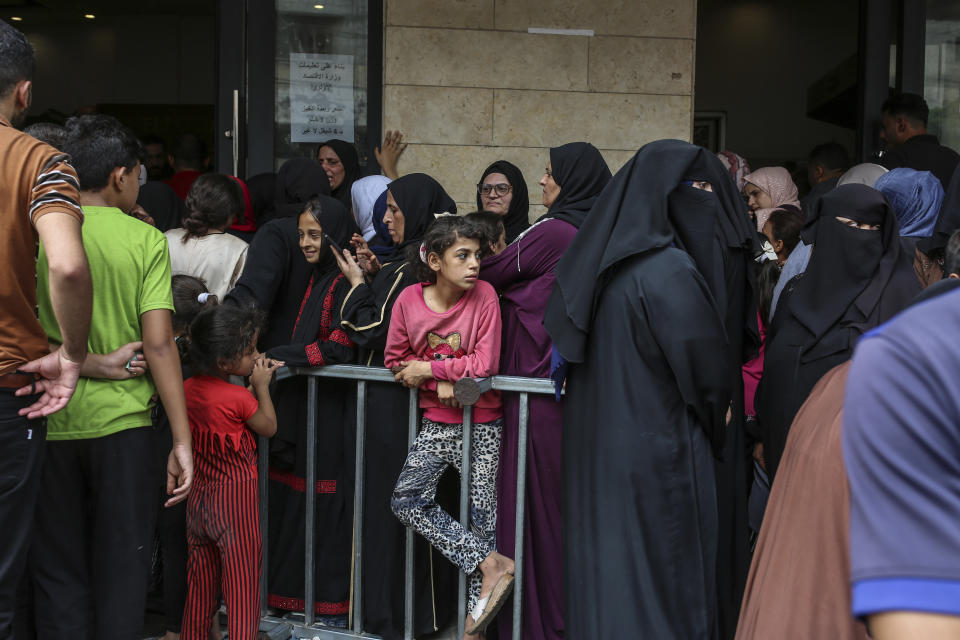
(753, 433)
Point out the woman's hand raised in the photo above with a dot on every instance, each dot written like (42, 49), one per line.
(348, 266)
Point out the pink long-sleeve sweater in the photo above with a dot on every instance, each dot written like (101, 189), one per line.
(463, 342)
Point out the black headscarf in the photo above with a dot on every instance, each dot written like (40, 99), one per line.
(419, 197)
(947, 222)
(262, 188)
(851, 267)
(351, 168)
(582, 173)
(644, 208)
(516, 221)
(298, 180)
(337, 223)
(163, 204)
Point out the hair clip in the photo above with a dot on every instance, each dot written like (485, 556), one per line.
(203, 297)
(443, 213)
(423, 252)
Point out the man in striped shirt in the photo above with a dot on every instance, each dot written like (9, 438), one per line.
(39, 196)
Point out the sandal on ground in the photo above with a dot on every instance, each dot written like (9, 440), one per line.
(488, 608)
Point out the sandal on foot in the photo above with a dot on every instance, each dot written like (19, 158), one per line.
(488, 608)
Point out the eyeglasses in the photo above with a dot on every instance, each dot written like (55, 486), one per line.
(501, 188)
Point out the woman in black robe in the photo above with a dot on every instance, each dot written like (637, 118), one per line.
(516, 219)
(275, 274)
(163, 204)
(346, 153)
(365, 317)
(857, 278)
(316, 340)
(649, 388)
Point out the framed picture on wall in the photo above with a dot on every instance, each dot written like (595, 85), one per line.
(710, 130)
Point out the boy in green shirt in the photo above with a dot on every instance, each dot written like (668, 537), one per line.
(95, 516)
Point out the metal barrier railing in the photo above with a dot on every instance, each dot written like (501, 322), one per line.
(467, 391)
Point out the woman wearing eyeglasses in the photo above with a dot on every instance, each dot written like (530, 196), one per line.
(524, 274)
(502, 190)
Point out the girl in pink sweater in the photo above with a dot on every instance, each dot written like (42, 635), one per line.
(442, 330)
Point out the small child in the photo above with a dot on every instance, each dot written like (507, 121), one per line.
(442, 330)
(190, 297)
(492, 226)
(223, 520)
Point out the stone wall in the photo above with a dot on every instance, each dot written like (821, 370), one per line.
(467, 84)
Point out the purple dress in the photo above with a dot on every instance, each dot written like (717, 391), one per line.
(524, 274)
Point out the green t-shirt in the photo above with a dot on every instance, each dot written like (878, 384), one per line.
(130, 268)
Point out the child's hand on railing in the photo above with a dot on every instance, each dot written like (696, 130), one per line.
(446, 395)
(413, 373)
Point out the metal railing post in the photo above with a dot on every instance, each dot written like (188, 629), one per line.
(408, 595)
(358, 507)
(263, 488)
(310, 491)
(518, 540)
(464, 510)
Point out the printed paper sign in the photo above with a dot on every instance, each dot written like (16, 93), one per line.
(321, 97)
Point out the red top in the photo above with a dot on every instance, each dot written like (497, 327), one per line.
(182, 181)
(460, 343)
(224, 448)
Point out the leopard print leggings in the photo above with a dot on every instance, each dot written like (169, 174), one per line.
(413, 502)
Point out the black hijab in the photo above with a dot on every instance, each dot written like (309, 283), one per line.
(262, 188)
(645, 207)
(419, 197)
(516, 221)
(851, 267)
(298, 180)
(947, 222)
(351, 168)
(582, 173)
(337, 223)
(163, 204)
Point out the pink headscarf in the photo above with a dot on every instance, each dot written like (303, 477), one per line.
(737, 166)
(776, 183)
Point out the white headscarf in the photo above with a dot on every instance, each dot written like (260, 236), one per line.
(866, 173)
(364, 193)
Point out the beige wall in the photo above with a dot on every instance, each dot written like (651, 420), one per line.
(467, 84)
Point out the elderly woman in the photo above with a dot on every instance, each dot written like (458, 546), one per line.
(767, 190)
(502, 190)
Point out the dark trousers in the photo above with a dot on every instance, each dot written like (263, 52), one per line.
(94, 536)
(21, 457)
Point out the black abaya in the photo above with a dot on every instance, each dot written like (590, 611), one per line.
(856, 280)
(316, 339)
(351, 170)
(640, 513)
(655, 269)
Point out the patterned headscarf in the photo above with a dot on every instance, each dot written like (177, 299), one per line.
(737, 165)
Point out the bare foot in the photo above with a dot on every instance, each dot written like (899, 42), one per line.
(494, 567)
(170, 635)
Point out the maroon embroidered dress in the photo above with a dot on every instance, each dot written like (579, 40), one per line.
(317, 340)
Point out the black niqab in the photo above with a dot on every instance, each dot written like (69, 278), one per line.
(643, 209)
(516, 221)
(351, 169)
(298, 180)
(420, 198)
(581, 173)
(848, 265)
(947, 222)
